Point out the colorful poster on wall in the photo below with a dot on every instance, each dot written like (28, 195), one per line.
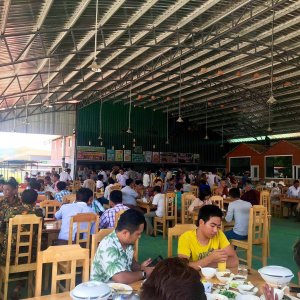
(196, 158)
(138, 150)
(155, 157)
(118, 155)
(127, 155)
(185, 158)
(110, 155)
(91, 153)
(137, 157)
(148, 156)
(168, 157)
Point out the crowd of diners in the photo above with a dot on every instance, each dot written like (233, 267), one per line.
(205, 246)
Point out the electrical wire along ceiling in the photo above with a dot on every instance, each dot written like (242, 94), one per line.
(229, 66)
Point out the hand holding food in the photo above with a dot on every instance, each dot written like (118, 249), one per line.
(218, 256)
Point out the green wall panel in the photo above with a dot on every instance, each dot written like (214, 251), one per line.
(149, 128)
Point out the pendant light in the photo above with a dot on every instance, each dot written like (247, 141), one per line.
(100, 124)
(94, 66)
(167, 141)
(272, 100)
(206, 136)
(15, 114)
(26, 112)
(179, 120)
(222, 144)
(48, 103)
(129, 112)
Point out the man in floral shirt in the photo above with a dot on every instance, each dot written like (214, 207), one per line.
(114, 257)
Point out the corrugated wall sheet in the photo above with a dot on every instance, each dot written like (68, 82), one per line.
(56, 123)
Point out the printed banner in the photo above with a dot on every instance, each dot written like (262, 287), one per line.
(119, 155)
(196, 158)
(127, 155)
(168, 157)
(185, 157)
(137, 157)
(91, 153)
(148, 156)
(110, 155)
(155, 157)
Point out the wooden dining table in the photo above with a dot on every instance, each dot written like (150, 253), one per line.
(253, 276)
(285, 199)
(50, 231)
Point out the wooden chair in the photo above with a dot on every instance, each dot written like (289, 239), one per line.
(170, 214)
(117, 217)
(265, 200)
(195, 190)
(218, 201)
(71, 198)
(116, 186)
(41, 198)
(99, 236)
(186, 201)
(84, 223)
(72, 254)
(22, 229)
(177, 230)
(260, 188)
(213, 190)
(258, 232)
(51, 207)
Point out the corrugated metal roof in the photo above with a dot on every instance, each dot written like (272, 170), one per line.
(222, 48)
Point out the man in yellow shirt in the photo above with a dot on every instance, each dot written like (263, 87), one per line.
(207, 245)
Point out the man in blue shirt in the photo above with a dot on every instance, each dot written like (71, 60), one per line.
(129, 194)
(84, 198)
(61, 187)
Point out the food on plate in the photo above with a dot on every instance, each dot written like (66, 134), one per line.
(228, 294)
(227, 274)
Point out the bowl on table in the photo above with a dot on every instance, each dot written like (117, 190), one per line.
(247, 297)
(208, 273)
(247, 289)
(276, 275)
(224, 276)
(91, 290)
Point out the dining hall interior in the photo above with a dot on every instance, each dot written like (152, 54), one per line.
(168, 163)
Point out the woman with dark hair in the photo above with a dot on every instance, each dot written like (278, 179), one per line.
(173, 279)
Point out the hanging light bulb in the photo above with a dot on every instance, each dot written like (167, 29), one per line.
(167, 142)
(271, 100)
(100, 124)
(206, 136)
(94, 66)
(26, 122)
(129, 130)
(269, 129)
(179, 120)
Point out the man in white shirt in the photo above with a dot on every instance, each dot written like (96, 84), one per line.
(239, 210)
(211, 178)
(84, 198)
(65, 176)
(146, 178)
(129, 194)
(103, 173)
(158, 202)
(294, 190)
(121, 177)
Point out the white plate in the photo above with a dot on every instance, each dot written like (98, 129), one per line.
(120, 288)
(234, 292)
(262, 297)
(215, 297)
(298, 295)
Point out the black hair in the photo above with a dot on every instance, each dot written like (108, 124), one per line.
(61, 185)
(47, 178)
(115, 196)
(138, 182)
(56, 175)
(12, 183)
(296, 181)
(29, 196)
(187, 180)
(2, 181)
(100, 177)
(234, 193)
(35, 185)
(130, 220)
(129, 181)
(248, 181)
(208, 211)
(110, 180)
(204, 193)
(83, 195)
(178, 186)
(157, 189)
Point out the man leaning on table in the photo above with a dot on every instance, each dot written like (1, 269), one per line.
(207, 245)
(114, 257)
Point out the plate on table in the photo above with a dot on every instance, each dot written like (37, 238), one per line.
(231, 295)
(215, 297)
(262, 297)
(120, 288)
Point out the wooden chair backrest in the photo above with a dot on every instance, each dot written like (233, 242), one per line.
(186, 201)
(265, 200)
(194, 190)
(177, 230)
(41, 198)
(51, 207)
(23, 229)
(214, 187)
(117, 216)
(69, 198)
(260, 188)
(258, 229)
(76, 184)
(56, 254)
(218, 201)
(116, 186)
(99, 236)
(284, 190)
(170, 211)
(84, 222)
